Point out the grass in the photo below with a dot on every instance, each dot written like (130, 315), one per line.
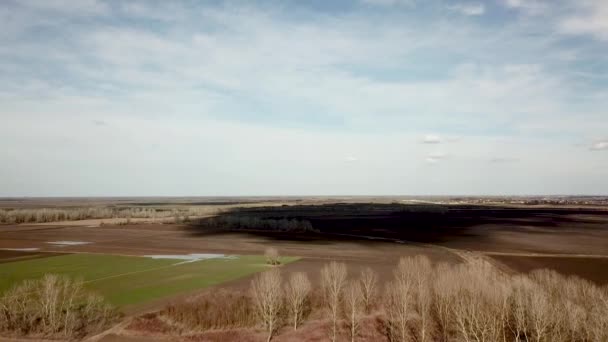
(126, 280)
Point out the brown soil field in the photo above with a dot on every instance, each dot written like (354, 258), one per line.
(9, 255)
(350, 233)
(594, 269)
(177, 239)
(454, 225)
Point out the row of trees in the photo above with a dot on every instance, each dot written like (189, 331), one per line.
(421, 302)
(53, 307)
(41, 215)
(468, 302)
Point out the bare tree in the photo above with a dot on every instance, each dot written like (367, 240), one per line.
(369, 283)
(519, 303)
(539, 313)
(333, 278)
(267, 299)
(296, 295)
(419, 270)
(272, 256)
(444, 293)
(353, 307)
(600, 317)
(477, 307)
(397, 303)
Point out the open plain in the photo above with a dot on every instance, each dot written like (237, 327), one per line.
(143, 266)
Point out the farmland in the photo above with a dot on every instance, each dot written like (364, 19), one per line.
(145, 269)
(126, 280)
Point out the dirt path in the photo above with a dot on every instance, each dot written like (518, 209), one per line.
(115, 330)
(551, 255)
(465, 255)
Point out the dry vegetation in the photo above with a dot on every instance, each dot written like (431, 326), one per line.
(266, 291)
(236, 311)
(333, 280)
(272, 256)
(180, 214)
(423, 302)
(53, 307)
(353, 307)
(297, 292)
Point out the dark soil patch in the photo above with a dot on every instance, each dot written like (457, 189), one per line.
(592, 269)
(492, 228)
(11, 256)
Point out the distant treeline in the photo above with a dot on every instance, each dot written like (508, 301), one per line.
(346, 208)
(41, 215)
(238, 222)
(240, 218)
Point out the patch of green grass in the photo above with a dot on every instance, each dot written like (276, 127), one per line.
(125, 280)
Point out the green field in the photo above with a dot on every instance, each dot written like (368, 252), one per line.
(130, 280)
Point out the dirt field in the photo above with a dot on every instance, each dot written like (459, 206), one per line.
(177, 239)
(12, 255)
(347, 232)
(594, 269)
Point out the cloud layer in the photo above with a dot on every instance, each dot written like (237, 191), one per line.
(159, 98)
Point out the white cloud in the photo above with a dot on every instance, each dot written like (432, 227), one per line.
(591, 18)
(599, 145)
(503, 160)
(431, 139)
(310, 74)
(304, 92)
(532, 7)
(435, 157)
(409, 3)
(515, 3)
(80, 7)
(471, 9)
(581, 17)
(165, 11)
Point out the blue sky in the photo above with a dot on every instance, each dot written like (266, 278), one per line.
(381, 97)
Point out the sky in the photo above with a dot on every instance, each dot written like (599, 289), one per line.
(368, 97)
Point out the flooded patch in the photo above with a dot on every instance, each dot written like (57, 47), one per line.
(20, 249)
(68, 243)
(191, 257)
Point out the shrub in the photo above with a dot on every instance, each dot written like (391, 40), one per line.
(272, 256)
(222, 310)
(53, 307)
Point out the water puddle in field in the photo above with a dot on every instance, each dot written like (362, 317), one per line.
(191, 257)
(68, 243)
(20, 249)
